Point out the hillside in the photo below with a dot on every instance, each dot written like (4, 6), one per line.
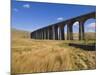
(88, 36)
(25, 34)
(19, 33)
(29, 55)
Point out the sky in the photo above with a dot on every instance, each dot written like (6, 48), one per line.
(30, 16)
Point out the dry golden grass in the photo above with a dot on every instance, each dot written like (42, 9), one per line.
(29, 56)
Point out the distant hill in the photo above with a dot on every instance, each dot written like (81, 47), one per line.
(88, 36)
(16, 33)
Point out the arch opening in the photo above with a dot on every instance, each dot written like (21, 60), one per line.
(58, 33)
(90, 29)
(76, 30)
(65, 31)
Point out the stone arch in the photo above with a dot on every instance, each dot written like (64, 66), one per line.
(90, 29)
(76, 30)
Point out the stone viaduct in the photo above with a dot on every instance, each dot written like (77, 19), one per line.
(51, 32)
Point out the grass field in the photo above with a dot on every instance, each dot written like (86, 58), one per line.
(29, 55)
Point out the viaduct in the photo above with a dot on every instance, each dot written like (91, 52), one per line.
(51, 32)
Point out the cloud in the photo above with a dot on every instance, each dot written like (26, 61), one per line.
(26, 6)
(15, 9)
(91, 27)
(60, 18)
